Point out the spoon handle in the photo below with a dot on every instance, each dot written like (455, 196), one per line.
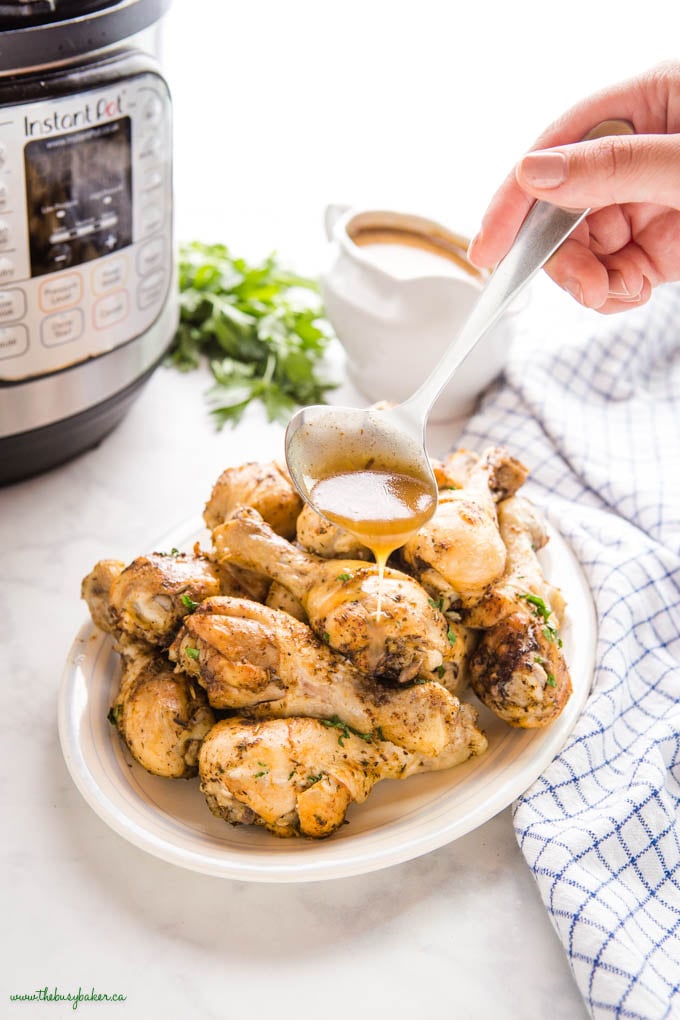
(545, 228)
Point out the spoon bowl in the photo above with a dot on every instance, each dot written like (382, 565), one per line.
(323, 440)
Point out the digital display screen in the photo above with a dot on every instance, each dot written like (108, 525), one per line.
(79, 195)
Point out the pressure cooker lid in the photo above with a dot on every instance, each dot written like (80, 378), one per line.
(35, 33)
(38, 12)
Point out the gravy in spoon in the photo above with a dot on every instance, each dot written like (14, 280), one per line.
(381, 508)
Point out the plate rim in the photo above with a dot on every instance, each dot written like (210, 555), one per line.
(285, 867)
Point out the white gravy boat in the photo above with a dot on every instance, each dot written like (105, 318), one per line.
(397, 288)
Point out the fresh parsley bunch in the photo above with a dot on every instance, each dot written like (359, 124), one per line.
(263, 341)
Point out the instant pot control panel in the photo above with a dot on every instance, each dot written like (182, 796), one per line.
(85, 223)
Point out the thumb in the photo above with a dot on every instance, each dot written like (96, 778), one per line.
(605, 171)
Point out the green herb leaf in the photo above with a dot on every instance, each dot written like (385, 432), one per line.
(441, 670)
(451, 636)
(314, 779)
(336, 722)
(543, 612)
(551, 680)
(437, 604)
(189, 603)
(261, 327)
(192, 653)
(540, 608)
(344, 577)
(114, 714)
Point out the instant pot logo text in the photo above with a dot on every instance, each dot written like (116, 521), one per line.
(95, 112)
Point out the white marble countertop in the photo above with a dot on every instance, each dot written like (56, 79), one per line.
(461, 931)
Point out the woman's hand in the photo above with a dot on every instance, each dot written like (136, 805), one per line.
(630, 243)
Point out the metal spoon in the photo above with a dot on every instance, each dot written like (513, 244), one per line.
(322, 440)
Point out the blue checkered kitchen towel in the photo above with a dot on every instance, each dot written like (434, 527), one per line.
(598, 422)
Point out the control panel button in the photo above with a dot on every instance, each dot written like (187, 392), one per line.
(151, 256)
(151, 290)
(12, 305)
(62, 327)
(151, 145)
(152, 179)
(13, 341)
(152, 219)
(7, 270)
(108, 276)
(60, 292)
(152, 110)
(110, 310)
(60, 256)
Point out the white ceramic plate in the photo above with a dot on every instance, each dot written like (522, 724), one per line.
(401, 820)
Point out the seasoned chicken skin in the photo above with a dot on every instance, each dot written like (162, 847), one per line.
(523, 533)
(161, 715)
(280, 598)
(249, 656)
(411, 638)
(459, 552)
(96, 591)
(298, 777)
(324, 538)
(518, 669)
(152, 595)
(265, 487)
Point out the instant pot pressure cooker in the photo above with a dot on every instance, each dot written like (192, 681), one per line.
(87, 296)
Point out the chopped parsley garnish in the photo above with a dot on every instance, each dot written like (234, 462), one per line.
(540, 608)
(189, 603)
(344, 577)
(114, 714)
(551, 680)
(446, 488)
(291, 774)
(174, 551)
(441, 670)
(326, 637)
(265, 770)
(451, 636)
(192, 653)
(314, 779)
(345, 731)
(379, 733)
(543, 612)
(437, 604)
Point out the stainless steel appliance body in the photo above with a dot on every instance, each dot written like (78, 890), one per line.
(88, 303)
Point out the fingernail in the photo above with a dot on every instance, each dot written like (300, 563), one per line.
(544, 169)
(618, 288)
(475, 240)
(574, 288)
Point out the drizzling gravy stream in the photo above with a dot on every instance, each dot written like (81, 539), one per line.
(382, 509)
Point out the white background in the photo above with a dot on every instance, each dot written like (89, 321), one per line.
(421, 105)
